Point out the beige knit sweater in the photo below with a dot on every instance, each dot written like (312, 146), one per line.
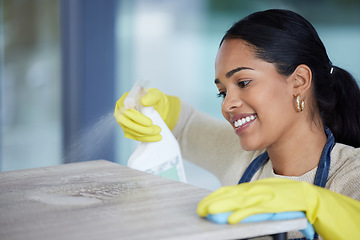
(212, 144)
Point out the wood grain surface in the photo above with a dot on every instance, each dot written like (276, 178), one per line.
(104, 200)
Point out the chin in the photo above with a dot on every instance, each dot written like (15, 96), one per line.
(248, 146)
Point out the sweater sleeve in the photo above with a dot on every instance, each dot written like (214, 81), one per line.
(211, 144)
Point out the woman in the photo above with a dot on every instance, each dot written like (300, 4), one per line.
(296, 115)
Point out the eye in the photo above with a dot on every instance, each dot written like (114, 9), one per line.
(221, 95)
(243, 84)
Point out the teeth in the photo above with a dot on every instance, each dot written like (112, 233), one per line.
(242, 121)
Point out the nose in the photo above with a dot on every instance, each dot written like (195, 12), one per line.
(231, 102)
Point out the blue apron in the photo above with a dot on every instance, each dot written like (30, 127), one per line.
(321, 173)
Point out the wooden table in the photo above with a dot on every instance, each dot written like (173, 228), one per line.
(104, 200)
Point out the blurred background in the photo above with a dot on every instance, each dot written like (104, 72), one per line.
(64, 63)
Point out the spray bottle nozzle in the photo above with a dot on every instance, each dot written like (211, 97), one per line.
(132, 100)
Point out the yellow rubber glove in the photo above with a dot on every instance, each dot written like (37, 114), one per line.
(334, 216)
(139, 127)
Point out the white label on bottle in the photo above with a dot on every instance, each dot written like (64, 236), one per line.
(168, 169)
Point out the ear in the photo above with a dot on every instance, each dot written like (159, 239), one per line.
(302, 78)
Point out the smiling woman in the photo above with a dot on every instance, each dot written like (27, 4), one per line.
(296, 115)
(257, 90)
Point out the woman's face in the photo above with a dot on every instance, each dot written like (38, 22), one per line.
(257, 101)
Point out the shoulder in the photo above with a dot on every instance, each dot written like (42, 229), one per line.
(344, 175)
(343, 157)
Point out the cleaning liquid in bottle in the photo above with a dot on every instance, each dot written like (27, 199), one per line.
(162, 158)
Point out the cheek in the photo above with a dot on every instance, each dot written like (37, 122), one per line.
(268, 99)
(276, 104)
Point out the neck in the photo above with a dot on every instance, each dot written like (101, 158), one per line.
(300, 151)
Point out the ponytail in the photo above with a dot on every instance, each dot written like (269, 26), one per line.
(339, 106)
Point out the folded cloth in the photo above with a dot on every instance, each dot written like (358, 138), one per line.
(308, 232)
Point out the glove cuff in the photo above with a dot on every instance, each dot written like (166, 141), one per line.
(173, 114)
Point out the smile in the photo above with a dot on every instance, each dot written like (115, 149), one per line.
(244, 120)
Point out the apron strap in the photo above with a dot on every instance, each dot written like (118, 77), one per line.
(254, 166)
(323, 169)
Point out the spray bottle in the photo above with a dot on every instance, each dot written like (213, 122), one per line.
(162, 158)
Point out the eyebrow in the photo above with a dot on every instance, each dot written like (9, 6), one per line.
(232, 72)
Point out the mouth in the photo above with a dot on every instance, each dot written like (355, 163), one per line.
(243, 120)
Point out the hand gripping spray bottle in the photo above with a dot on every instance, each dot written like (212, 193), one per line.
(162, 158)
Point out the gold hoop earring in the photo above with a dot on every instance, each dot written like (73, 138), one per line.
(300, 105)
